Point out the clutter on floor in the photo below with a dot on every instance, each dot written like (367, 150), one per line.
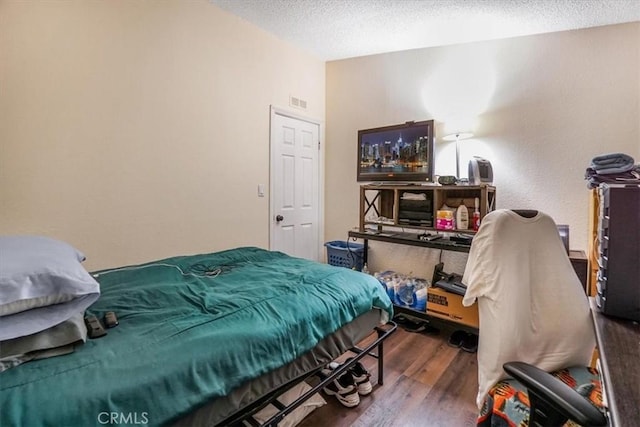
(418, 326)
(349, 386)
(287, 398)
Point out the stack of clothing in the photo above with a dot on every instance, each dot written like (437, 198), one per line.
(44, 291)
(615, 168)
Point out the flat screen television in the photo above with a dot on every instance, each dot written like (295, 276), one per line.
(401, 152)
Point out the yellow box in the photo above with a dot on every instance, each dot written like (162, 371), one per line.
(447, 305)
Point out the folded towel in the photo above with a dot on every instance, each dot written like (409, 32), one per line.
(612, 163)
(630, 177)
(414, 196)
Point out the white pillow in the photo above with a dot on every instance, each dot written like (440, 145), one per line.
(42, 284)
(29, 303)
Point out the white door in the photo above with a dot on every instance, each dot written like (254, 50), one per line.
(295, 195)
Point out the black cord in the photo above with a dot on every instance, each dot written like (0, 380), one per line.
(210, 270)
(200, 268)
(353, 257)
(440, 257)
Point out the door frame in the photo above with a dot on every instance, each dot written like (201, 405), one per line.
(273, 111)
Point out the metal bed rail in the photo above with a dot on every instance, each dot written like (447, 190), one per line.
(246, 415)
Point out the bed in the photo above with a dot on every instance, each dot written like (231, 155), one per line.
(202, 339)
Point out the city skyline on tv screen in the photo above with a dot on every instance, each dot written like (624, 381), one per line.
(402, 151)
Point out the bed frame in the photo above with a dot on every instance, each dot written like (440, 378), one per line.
(200, 386)
(245, 415)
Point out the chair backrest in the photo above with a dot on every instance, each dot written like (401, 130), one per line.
(531, 304)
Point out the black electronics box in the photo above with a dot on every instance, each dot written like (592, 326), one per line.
(618, 283)
(415, 212)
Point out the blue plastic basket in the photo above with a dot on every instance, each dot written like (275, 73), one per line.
(345, 254)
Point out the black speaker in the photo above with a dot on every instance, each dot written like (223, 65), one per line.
(447, 180)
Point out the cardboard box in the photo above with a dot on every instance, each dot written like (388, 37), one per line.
(447, 305)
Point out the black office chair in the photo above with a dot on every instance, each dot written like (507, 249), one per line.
(552, 402)
(535, 326)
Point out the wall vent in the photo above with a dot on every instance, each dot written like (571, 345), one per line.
(297, 102)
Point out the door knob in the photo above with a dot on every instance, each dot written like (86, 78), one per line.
(279, 218)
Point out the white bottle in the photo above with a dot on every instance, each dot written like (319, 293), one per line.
(462, 217)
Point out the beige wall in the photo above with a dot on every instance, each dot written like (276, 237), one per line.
(137, 130)
(541, 107)
(124, 125)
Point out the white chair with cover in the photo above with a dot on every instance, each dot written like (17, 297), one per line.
(536, 337)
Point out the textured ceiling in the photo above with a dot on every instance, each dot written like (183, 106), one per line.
(338, 29)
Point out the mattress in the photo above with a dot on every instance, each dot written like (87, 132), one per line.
(192, 329)
(327, 350)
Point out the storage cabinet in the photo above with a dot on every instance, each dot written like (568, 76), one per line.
(617, 251)
(416, 206)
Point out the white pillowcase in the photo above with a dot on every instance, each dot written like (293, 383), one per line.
(29, 303)
(42, 284)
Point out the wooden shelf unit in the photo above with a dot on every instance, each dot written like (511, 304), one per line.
(592, 257)
(380, 204)
(381, 219)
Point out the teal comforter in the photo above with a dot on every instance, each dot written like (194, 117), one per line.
(191, 329)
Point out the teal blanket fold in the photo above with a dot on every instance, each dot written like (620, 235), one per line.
(191, 329)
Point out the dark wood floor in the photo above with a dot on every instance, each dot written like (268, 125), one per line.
(426, 383)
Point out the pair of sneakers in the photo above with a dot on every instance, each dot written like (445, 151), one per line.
(465, 340)
(349, 386)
